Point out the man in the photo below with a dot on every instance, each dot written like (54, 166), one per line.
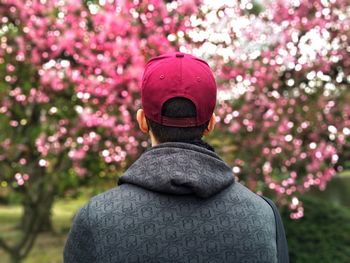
(179, 201)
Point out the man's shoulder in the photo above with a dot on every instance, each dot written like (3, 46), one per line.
(242, 193)
(241, 198)
(117, 193)
(111, 193)
(112, 199)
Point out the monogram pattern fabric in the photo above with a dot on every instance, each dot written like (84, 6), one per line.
(177, 203)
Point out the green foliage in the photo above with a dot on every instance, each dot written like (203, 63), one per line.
(322, 235)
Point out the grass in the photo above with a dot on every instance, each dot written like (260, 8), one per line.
(48, 247)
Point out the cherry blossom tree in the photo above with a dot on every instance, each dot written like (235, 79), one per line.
(283, 70)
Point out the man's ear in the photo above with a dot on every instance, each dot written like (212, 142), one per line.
(211, 125)
(141, 120)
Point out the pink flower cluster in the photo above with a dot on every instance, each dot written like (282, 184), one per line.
(73, 71)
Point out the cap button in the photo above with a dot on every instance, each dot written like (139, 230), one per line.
(180, 55)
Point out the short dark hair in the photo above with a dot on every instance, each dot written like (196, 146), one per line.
(177, 108)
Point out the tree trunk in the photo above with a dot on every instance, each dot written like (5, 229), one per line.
(15, 258)
(45, 207)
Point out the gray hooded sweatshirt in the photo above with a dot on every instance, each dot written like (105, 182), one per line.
(177, 203)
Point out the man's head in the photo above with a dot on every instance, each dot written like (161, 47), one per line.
(178, 98)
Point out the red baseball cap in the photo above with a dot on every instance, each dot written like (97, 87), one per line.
(178, 75)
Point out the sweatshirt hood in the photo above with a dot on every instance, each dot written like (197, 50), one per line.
(180, 169)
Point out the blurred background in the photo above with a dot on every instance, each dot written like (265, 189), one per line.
(70, 74)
